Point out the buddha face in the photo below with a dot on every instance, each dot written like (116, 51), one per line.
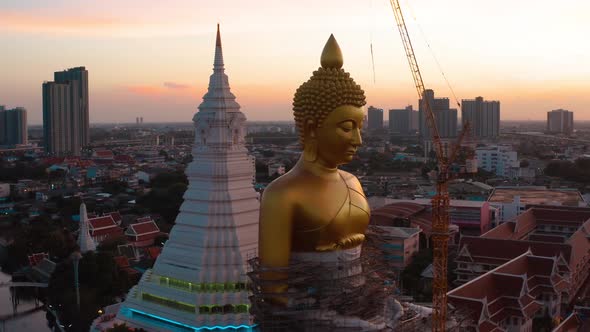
(339, 135)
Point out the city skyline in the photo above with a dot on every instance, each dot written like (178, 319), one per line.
(154, 63)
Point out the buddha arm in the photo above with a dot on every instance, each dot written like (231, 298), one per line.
(274, 248)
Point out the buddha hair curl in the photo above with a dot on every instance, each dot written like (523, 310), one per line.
(327, 89)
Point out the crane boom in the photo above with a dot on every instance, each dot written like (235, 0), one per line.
(440, 202)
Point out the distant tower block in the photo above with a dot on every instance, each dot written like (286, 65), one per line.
(141, 120)
(137, 120)
(198, 282)
(85, 241)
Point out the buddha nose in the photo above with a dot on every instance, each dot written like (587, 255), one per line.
(356, 138)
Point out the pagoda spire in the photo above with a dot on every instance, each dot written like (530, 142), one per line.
(85, 241)
(218, 62)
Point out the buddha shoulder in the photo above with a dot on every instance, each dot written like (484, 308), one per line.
(282, 188)
(351, 181)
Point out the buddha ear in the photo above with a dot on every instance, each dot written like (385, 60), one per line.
(310, 128)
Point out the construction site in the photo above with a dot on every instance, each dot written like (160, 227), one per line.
(357, 295)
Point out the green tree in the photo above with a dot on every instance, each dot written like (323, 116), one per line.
(100, 283)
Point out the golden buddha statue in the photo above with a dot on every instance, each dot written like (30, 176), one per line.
(316, 208)
(310, 274)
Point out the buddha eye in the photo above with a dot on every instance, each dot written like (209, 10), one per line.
(347, 126)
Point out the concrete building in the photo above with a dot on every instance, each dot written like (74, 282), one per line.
(560, 122)
(402, 244)
(410, 215)
(65, 112)
(483, 115)
(445, 117)
(13, 126)
(498, 159)
(375, 117)
(512, 201)
(403, 121)
(198, 282)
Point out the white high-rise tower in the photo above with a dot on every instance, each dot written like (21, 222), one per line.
(199, 280)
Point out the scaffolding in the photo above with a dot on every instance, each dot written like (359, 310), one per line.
(355, 295)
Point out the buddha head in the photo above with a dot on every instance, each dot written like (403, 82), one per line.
(328, 111)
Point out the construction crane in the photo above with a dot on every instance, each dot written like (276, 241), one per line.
(440, 202)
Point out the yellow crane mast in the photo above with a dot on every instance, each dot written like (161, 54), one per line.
(440, 202)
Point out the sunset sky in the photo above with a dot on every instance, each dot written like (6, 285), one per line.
(153, 58)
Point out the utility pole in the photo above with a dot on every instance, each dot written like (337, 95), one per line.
(76, 256)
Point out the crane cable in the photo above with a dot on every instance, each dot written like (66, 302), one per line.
(433, 54)
(371, 39)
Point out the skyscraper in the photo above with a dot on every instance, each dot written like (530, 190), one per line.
(65, 112)
(445, 117)
(375, 116)
(560, 121)
(484, 117)
(13, 126)
(199, 280)
(403, 121)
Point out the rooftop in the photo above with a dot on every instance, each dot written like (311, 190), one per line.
(536, 196)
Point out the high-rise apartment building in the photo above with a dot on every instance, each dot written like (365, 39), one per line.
(65, 112)
(445, 117)
(375, 118)
(483, 116)
(403, 121)
(560, 121)
(13, 126)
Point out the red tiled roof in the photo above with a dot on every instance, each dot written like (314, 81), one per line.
(153, 252)
(143, 219)
(532, 308)
(124, 158)
(482, 249)
(101, 222)
(115, 215)
(36, 258)
(103, 153)
(502, 287)
(143, 228)
(112, 231)
(53, 160)
(121, 261)
(487, 326)
(570, 324)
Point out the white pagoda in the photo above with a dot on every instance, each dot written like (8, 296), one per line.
(85, 241)
(198, 283)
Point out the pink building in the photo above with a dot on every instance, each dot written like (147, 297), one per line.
(472, 217)
(403, 243)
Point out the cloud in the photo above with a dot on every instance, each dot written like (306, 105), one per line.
(178, 86)
(146, 90)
